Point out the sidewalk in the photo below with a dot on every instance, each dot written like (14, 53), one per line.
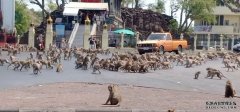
(85, 97)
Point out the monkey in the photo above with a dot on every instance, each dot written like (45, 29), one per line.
(25, 64)
(59, 67)
(114, 97)
(166, 65)
(197, 74)
(85, 63)
(31, 55)
(143, 68)
(173, 110)
(229, 91)
(189, 62)
(37, 67)
(96, 67)
(179, 60)
(230, 67)
(2, 61)
(212, 73)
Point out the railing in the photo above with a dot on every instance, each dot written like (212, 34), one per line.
(73, 34)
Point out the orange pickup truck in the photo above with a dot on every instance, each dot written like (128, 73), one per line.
(161, 42)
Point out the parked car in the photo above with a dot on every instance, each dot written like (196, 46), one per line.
(236, 47)
(161, 42)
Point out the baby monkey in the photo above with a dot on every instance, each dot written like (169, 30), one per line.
(197, 74)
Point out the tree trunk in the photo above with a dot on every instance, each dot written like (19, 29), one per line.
(136, 3)
(43, 14)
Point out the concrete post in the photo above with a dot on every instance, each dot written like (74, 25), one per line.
(31, 35)
(86, 33)
(232, 42)
(221, 41)
(227, 44)
(49, 34)
(122, 40)
(137, 38)
(181, 36)
(208, 41)
(105, 37)
(195, 42)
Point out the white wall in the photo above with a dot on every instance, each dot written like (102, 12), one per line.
(8, 12)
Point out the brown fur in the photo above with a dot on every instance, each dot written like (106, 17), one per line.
(229, 91)
(197, 74)
(114, 96)
(172, 110)
(59, 67)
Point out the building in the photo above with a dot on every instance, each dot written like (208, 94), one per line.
(223, 33)
(7, 8)
(7, 20)
(113, 11)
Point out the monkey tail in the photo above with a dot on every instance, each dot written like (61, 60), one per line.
(222, 74)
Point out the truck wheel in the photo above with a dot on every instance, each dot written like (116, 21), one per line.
(161, 50)
(179, 50)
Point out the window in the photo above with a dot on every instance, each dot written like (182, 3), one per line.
(168, 37)
(221, 19)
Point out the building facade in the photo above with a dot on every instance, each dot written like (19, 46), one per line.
(223, 33)
(7, 9)
(114, 14)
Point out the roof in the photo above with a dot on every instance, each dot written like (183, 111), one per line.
(72, 8)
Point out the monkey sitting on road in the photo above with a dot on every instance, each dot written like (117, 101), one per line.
(229, 91)
(114, 97)
(197, 74)
(173, 110)
(59, 67)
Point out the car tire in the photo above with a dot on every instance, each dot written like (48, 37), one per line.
(179, 50)
(161, 50)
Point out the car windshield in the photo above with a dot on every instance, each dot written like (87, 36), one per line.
(157, 37)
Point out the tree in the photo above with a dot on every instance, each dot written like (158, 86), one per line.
(158, 7)
(42, 6)
(233, 5)
(138, 3)
(52, 6)
(191, 10)
(174, 7)
(126, 3)
(21, 17)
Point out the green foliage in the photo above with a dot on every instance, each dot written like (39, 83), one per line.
(52, 6)
(158, 7)
(22, 17)
(195, 10)
(236, 3)
(173, 25)
(126, 3)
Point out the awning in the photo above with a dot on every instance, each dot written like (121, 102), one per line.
(71, 9)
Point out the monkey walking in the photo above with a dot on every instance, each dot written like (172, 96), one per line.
(114, 97)
(197, 74)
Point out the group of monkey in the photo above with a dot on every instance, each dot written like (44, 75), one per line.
(127, 62)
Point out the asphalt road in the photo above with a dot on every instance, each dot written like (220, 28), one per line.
(178, 78)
